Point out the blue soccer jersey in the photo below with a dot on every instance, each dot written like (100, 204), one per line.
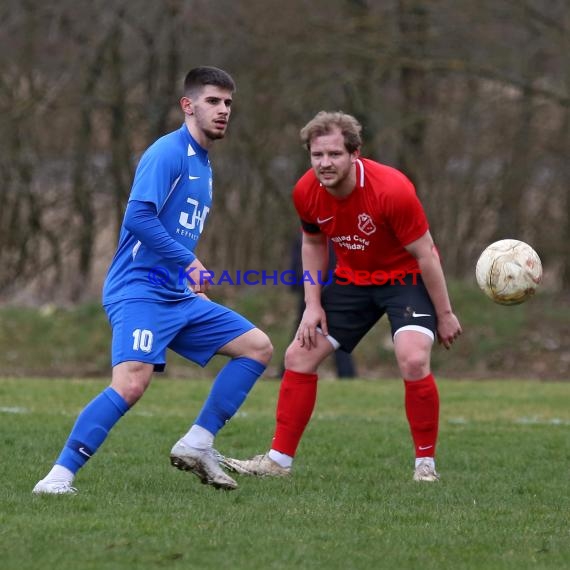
(175, 177)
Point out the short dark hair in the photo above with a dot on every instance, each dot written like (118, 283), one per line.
(324, 123)
(205, 75)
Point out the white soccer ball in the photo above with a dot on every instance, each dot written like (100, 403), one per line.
(509, 271)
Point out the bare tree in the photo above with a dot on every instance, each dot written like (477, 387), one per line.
(470, 99)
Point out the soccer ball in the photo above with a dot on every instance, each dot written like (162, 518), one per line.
(509, 271)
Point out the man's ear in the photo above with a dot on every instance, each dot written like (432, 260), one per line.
(186, 105)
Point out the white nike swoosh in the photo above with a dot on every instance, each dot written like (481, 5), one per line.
(319, 221)
(424, 447)
(84, 452)
(193, 177)
(414, 314)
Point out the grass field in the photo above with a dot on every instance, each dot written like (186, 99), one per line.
(503, 500)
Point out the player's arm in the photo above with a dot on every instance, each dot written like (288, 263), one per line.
(141, 219)
(315, 254)
(156, 173)
(423, 249)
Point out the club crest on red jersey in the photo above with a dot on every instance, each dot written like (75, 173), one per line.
(366, 224)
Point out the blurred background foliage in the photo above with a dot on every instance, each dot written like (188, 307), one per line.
(470, 98)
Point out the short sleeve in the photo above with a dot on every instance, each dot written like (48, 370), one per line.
(156, 173)
(405, 213)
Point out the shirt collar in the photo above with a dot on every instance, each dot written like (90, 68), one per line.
(359, 173)
(193, 147)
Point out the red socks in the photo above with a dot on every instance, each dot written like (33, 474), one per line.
(297, 397)
(298, 394)
(422, 410)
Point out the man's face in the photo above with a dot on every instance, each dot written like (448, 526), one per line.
(209, 111)
(330, 160)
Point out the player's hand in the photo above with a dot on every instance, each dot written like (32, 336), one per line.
(313, 317)
(198, 277)
(448, 329)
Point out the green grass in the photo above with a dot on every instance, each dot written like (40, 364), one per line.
(502, 502)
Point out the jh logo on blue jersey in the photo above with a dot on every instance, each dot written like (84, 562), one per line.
(195, 219)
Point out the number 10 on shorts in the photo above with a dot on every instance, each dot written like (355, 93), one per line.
(142, 340)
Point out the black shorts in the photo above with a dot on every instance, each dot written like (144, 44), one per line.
(352, 310)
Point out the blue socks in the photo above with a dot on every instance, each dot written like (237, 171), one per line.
(91, 428)
(230, 389)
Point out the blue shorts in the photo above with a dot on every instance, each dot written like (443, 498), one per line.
(194, 328)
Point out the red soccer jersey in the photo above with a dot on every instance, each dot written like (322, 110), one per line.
(370, 227)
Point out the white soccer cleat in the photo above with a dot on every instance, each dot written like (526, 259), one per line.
(258, 466)
(203, 463)
(45, 487)
(425, 471)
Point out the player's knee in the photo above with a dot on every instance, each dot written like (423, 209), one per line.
(135, 391)
(414, 365)
(300, 359)
(131, 380)
(291, 359)
(260, 347)
(265, 350)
